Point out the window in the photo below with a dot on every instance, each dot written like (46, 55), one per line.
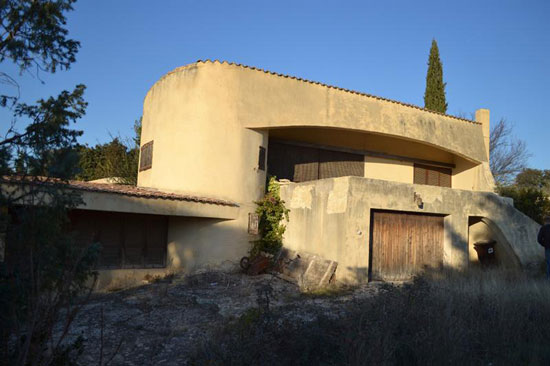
(261, 158)
(127, 240)
(146, 156)
(305, 163)
(432, 175)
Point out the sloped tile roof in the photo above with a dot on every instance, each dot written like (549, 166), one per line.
(122, 189)
(141, 192)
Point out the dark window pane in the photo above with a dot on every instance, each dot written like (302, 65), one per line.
(419, 175)
(445, 177)
(306, 163)
(303, 163)
(127, 240)
(295, 163)
(146, 156)
(432, 175)
(261, 158)
(340, 164)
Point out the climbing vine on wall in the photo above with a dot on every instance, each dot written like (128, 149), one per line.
(272, 214)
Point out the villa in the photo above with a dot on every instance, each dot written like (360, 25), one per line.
(383, 188)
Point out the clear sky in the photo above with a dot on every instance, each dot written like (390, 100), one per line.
(495, 54)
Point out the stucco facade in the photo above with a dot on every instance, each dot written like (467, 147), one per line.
(208, 123)
(332, 217)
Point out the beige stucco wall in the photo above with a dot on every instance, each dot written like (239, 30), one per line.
(198, 243)
(117, 279)
(473, 177)
(483, 116)
(387, 169)
(208, 119)
(199, 145)
(331, 217)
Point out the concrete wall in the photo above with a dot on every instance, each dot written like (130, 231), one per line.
(201, 148)
(198, 243)
(208, 119)
(331, 217)
(483, 229)
(117, 279)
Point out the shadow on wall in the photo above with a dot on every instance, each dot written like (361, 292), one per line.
(480, 229)
(206, 243)
(193, 243)
(515, 230)
(484, 232)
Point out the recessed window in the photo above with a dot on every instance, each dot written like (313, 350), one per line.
(146, 156)
(432, 175)
(127, 240)
(288, 160)
(261, 158)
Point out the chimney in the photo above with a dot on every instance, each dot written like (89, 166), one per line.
(482, 116)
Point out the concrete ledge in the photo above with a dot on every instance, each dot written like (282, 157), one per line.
(102, 201)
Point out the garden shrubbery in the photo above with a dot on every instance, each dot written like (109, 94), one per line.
(272, 212)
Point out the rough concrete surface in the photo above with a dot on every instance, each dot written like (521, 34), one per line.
(162, 322)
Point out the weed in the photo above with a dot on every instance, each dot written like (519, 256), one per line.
(444, 317)
(330, 291)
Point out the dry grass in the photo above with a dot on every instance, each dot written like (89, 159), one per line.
(332, 290)
(446, 317)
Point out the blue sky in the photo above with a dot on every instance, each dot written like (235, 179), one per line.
(495, 54)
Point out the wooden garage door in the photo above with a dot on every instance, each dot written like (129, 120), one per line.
(404, 243)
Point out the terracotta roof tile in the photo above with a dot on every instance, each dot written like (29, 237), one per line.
(141, 192)
(327, 86)
(122, 189)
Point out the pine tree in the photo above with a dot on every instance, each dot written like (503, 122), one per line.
(44, 272)
(434, 96)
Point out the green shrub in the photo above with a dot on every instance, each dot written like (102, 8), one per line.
(271, 211)
(532, 202)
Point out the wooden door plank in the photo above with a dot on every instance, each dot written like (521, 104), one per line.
(404, 243)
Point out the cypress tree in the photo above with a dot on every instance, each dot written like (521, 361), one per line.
(434, 96)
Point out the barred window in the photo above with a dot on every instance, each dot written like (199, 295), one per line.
(146, 156)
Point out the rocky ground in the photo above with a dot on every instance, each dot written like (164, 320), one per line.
(161, 322)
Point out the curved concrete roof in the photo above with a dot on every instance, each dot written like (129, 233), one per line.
(261, 99)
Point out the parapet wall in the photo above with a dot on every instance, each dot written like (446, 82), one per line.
(208, 120)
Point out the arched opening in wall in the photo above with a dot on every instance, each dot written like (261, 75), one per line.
(487, 245)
